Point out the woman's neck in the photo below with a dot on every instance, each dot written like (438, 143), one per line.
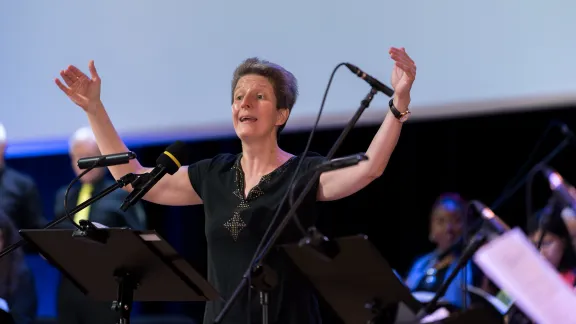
(262, 158)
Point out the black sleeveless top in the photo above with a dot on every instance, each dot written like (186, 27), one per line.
(234, 226)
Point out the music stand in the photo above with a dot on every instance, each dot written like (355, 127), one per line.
(128, 266)
(358, 283)
(361, 287)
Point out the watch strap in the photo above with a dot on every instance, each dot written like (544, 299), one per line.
(399, 115)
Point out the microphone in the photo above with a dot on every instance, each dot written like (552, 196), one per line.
(105, 160)
(560, 187)
(343, 162)
(330, 165)
(371, 81)
(496, 224)
(167, 163)
(566, 131)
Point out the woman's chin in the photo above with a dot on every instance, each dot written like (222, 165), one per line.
(252, 133)
(247, 135)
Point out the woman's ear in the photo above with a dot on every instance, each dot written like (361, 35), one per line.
(282, 117)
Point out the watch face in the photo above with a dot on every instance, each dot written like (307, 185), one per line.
(404, 117)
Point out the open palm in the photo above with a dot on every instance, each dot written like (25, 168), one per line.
(82, 90)
(404, 72)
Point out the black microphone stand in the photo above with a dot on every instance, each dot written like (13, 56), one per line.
(475, 243)
(261, 275)
(137, 192)
(87, 229)
(507, 194)
(546, 218)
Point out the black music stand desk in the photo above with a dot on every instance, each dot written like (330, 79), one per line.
(361, 287)
(128, 266)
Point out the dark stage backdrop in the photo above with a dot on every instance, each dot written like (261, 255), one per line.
(474, 156)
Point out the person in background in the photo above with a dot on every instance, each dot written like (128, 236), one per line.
(19, 196)
(18, 298)
(569, 216)
(556, 248)
(429, 271)
(73, 306)
(557, 242)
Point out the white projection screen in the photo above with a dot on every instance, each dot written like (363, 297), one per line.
(166, 66)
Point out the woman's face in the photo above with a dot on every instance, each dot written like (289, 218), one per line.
(445, 226)
(254, 112)
(552, 247)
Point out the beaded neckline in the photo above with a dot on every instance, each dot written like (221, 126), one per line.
(236, 224)
(256, 191)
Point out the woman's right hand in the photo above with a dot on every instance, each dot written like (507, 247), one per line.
(83, 91)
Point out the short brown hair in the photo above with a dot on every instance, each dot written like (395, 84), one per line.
(284, 83)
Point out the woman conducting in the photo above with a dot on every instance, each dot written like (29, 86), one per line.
(241, 192)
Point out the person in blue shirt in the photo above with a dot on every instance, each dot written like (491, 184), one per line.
(429, 271)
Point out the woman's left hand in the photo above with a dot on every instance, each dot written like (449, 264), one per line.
(403, 76)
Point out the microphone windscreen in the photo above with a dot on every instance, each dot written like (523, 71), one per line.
(173, 157)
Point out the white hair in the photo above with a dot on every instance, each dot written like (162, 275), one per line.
(2, 134)
(81, 135)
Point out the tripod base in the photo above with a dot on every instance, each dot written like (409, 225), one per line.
(127, 283)
(264, 302)
(263, 280)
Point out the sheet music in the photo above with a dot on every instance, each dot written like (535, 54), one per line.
(501, 307)
(438, 315)
(513, 263)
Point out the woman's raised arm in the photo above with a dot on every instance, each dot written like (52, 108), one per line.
(84, 91)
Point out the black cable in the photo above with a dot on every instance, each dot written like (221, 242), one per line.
(70, 186)
(545, 160)
(291, 191)
(291, 196)
(538, 167)
(294, 176)
(515, 183)
(292, 181)
(291, 202)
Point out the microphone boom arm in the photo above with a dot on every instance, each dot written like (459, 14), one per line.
(122, 182)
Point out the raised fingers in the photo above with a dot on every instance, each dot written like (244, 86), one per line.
(76, 72)
(402, 58)
(62, 87)
(68, 77)
(400, 54)
(93, 72)
(409, 69)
